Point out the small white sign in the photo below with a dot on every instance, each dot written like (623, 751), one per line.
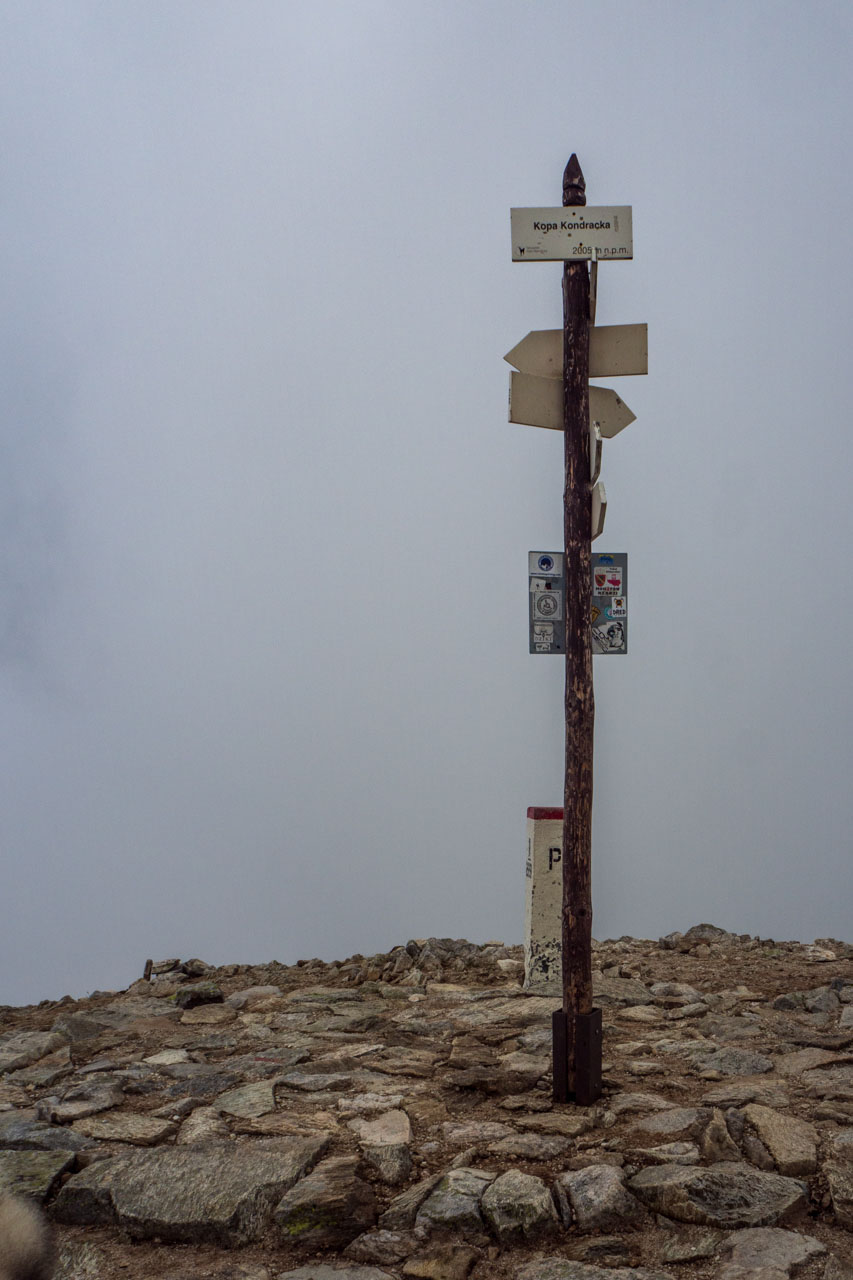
(599, 511)
(547, 605)
(572, 234)
(594, 452)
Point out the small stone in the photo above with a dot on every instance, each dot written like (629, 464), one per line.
(329, 1207)
(692, 1250)
(198, 993)
(737, 1093)
(211, 1015)
(756, 1152)
(401, 1212)
(79, 1103)
(442, 1262)
(791, 1142)
(474, 1131)
(716, 1143)
(20, 1133)
(384, 1247)
(126, 1126)
(366, 1104)
(322, 1271)
(455, 1202)
(641, 1013)
(247, 1101)
(314, 1083)
(33, 1174)
(568, 1126)
(839, 1176)
(731, 1061)
(202, 1125)
(821, 1000)
(625, 1103)
(672, 1153)
(518, 1206)
(532, 1146)
(681, 1124)
(559, 1268)
(770, 1247)
(167, 1058)
(837, 1270)
(26, 1047)
(596, 1199)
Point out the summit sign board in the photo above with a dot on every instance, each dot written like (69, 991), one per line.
(572, 234)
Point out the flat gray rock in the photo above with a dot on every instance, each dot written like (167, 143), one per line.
(202, 1125)
(322, 1271)
(839, 1175)
(680, 1124)
(401, 1212)
(19, 1133)
(609, 990)
(727, 1194)
(126, 1126)
(248, 1101)
(328, 1208)
(532, 1146)
(517, 1206)
(455, 1202)
(731, 1061)
(596, 1199)
(470, 1132)
(383, 1248)
(218, 1194)
(792, 1142)
(390, 1161)
(770, 1247)
(33, 1173)
(308, 1082)
(77, 1103)
(26, 1047)
(565, 1269)
(739, 1093)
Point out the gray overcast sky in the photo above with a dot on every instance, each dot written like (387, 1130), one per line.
(263, 565)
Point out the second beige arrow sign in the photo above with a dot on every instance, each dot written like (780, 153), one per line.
(538, 402)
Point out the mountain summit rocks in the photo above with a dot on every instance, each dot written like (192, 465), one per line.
(390, 1117)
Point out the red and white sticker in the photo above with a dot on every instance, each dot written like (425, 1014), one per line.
(607, 580)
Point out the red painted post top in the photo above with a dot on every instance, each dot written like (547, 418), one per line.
(538, 814)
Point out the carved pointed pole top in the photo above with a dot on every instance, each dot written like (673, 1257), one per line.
(574, 186)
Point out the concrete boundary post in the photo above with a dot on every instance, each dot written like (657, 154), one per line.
(543, 902)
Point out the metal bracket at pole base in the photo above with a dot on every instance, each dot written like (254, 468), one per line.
(560, 1033)
(588, 1057)
(587, 1064)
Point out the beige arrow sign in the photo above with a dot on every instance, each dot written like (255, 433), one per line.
(614, 350)
(599, 510)
(538, 402)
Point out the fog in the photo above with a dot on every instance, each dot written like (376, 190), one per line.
(263, 568)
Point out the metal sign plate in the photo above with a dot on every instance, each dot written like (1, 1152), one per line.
(609, 602)
(615, 350)
(546, 594)
(569, 234)
(538, 402)
(546, 588)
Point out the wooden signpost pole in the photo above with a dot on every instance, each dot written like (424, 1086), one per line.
(576, 1026)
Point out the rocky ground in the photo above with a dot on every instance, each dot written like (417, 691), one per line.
(390, 1117)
